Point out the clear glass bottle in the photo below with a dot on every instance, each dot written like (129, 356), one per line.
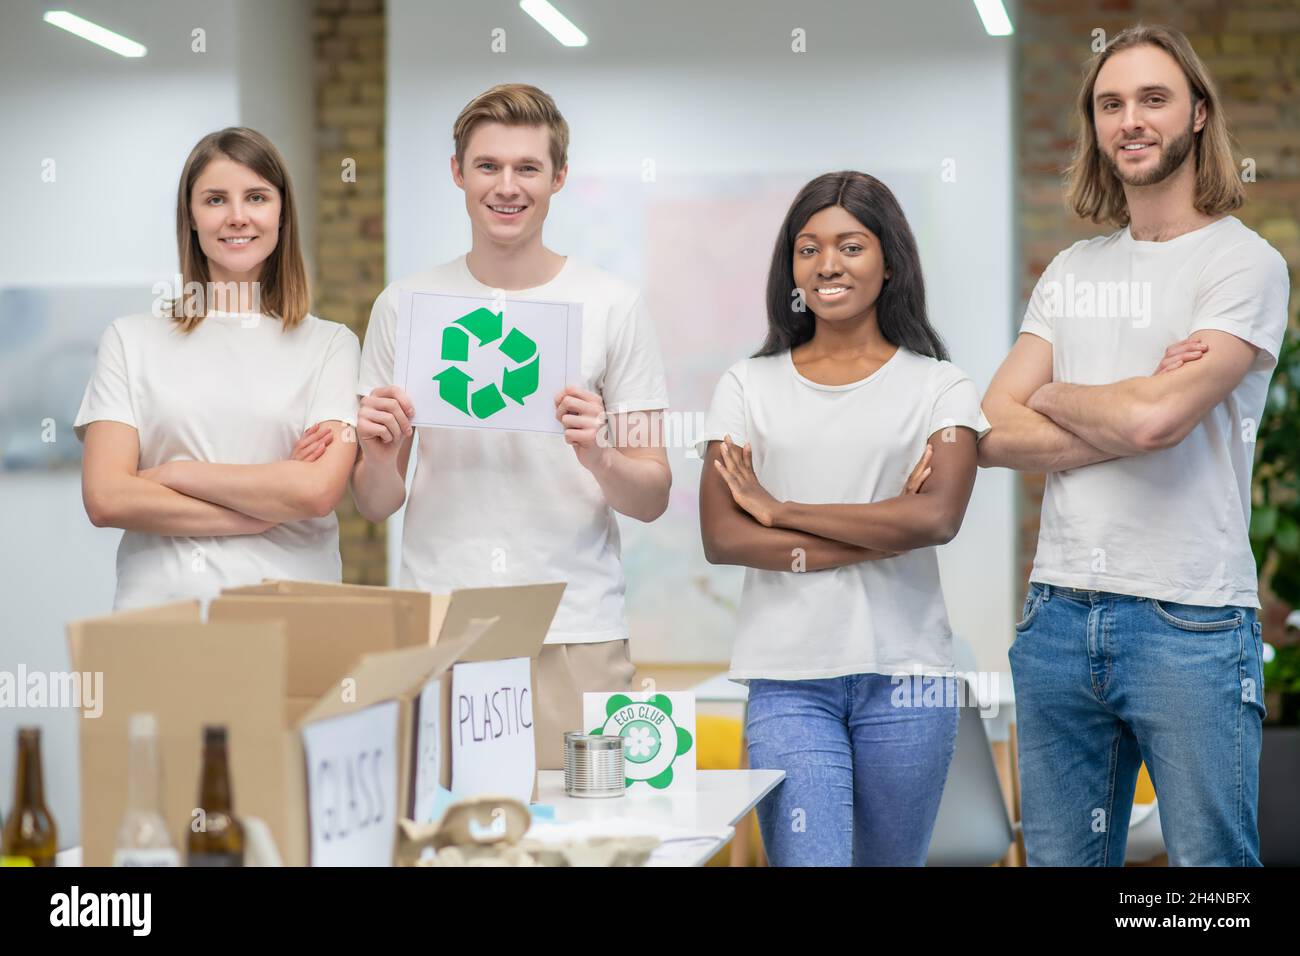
(142, 838)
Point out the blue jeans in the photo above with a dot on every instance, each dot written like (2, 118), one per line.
(865, 760)
(1105, 682)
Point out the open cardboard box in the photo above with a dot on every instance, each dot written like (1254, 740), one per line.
(269, 662)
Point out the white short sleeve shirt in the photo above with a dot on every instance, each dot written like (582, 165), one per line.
(236, 390)
(837, 444)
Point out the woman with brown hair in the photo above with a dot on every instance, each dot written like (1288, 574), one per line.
(218, 428)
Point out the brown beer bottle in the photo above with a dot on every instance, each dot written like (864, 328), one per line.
(30, 836)
(216, 837)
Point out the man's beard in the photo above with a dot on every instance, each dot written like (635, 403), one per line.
(1171, 157)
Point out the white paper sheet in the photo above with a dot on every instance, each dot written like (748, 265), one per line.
(352, 787)
(492, 748)
(471, 362)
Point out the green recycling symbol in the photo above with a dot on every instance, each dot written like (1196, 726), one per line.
(651, 740)
(516, 383)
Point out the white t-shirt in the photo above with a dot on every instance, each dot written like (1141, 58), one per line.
(1171, 524)
(236, 391)
(841, 444)
(493, 508)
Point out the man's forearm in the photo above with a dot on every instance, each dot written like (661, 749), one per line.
(1025, 440)
(636, 487)
(278, 491)
(378, 488)
(1108, 417)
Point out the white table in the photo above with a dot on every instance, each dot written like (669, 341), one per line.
(721, 798)
(721, 689)
(718, 802)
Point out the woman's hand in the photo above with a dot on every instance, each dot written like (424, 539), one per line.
(310, 446)
(921, 472)
(736, 465)
(313, 443)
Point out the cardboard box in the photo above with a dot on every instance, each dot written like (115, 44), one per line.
(268, 663)
(523, 624)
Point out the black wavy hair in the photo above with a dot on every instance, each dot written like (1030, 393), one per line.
(900, 308)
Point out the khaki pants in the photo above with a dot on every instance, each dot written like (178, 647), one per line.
(564, 673)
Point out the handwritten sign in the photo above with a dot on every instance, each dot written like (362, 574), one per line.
(470, 362)
(352, 787)
(492, 748)
(658, 731)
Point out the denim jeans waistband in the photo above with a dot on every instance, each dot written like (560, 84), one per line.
(1083, 595)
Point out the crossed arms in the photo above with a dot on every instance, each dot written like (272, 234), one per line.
(742, 524)
(203, 499)
(1040, 425)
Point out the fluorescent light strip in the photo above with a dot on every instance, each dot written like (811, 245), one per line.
(554, 22)
(94, 33)
(994, 16)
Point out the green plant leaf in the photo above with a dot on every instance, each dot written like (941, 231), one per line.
(1262, 522)
(1287, 538)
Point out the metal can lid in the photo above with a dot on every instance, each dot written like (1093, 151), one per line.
(578, 740)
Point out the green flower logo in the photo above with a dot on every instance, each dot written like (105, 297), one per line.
(517, 382)
(651, 741)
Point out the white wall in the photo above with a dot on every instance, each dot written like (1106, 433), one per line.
(892, 88)
(119, 131)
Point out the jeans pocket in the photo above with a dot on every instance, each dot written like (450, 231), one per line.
(1255, 668)
(1033, 601)
(1194, 617)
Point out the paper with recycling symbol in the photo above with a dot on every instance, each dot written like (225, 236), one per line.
(470, 362)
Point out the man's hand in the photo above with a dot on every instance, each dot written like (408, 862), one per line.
(585, 426)
(383, 421)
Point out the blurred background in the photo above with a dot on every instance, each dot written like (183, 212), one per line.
(693, 125)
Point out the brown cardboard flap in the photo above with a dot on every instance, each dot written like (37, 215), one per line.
(525, 614)
(179, 611)
(326, 635)
(187, 675)
(438, 605)
(296, 707)
(425, 610)
(377, 677)
(397, 673)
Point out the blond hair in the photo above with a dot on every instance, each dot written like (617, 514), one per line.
(1093, 190)
(283, 279)
(514, 104)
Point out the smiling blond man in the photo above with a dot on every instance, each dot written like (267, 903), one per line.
(1136, 384)
(491, 507)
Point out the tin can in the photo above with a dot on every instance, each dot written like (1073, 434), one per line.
(593, 765)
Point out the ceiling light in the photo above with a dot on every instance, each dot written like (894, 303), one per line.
(994, 16)
(554, 22)
(94, 33)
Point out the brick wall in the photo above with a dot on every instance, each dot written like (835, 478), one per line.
(1251, 47)
(350, 78)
